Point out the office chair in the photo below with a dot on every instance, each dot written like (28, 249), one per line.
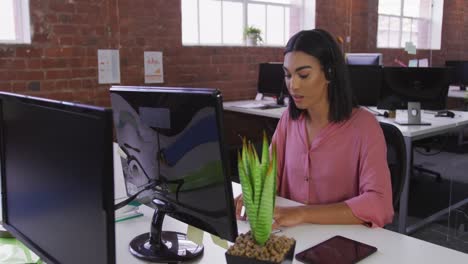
(396, 159)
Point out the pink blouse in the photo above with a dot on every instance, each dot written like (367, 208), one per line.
(346, 162)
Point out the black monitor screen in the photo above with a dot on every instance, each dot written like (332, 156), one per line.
(366, 82)
(429, 86)
(271, 79)
(174, 136)
(460, 72)
(57, 178)
(364, 58)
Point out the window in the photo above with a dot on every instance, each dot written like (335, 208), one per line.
(416, 21)
(14, 18)
(222, 22)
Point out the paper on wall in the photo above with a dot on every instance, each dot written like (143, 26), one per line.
(108, 66)
(153, 67)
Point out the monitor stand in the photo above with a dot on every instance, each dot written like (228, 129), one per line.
(414, 116)
(163, 246)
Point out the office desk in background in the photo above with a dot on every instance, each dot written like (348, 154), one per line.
(457, 99)
(455, 92)
(392, 247)
(439, 125)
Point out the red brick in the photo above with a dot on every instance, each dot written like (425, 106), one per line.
(12, 64)
(90, 83)
(80, 73)
(48, 85)
(64, 29)
(5, 86)
(18, 87)
(8, 75)
(54, 63)
(34, 64)
(59, 52)
(61, 84)
(75, 84)
(61, 6)
(40, 38)
(6, 51)
(66, 41)
(28, 52)
(58, 74)
(30, 75)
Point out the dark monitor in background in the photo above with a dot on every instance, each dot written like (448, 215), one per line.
(459, 75)
(429, 86)
(271, 80)
(174, 151)
(363, 58)
(366, 82)
(57, 178)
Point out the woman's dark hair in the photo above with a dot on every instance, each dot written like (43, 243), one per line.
(321, 45)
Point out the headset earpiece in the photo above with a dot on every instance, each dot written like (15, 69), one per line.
(331, 73)
(329, 69)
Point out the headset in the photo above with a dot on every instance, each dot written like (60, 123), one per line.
(329, 70)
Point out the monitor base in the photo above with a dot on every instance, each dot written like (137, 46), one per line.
(175, 248)
(403, 123)
(163, 246)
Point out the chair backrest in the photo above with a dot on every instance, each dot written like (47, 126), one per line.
(396, 158)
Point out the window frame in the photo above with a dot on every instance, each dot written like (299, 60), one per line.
(402, 17)
(245, 4)
(22, 20)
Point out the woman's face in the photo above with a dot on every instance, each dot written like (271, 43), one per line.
(305, 80)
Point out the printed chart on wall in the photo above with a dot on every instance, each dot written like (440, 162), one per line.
(153, 67)
(108, 66)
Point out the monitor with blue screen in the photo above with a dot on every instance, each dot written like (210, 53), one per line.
(363, 58)
(173, 152)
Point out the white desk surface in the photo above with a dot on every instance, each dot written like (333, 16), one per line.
(438, 123)
(455, 92)
(392, 247)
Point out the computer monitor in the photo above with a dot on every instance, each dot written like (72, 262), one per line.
(271, 80)
(363, 58)
(172, 145)
(366, 82)
(429, 86)
(460, 73)
(57, 178)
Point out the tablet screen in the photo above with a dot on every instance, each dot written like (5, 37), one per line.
(336, 250)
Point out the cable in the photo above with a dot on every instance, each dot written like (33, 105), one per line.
(377, 113)
(148, 186)
(440, 148)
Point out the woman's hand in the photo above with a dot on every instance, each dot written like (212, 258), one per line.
(328, 214)
(239, 203)
(287, 216)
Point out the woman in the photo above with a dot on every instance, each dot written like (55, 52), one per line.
(331, 153)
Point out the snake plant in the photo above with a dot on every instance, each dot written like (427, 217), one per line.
(258, 181)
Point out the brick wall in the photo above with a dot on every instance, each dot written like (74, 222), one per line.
(61, 62)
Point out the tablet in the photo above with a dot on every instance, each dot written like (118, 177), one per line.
(336, 250)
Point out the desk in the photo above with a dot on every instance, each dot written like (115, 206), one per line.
(440, 125)
(455, 92)
(392, 247)
(457, 99)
